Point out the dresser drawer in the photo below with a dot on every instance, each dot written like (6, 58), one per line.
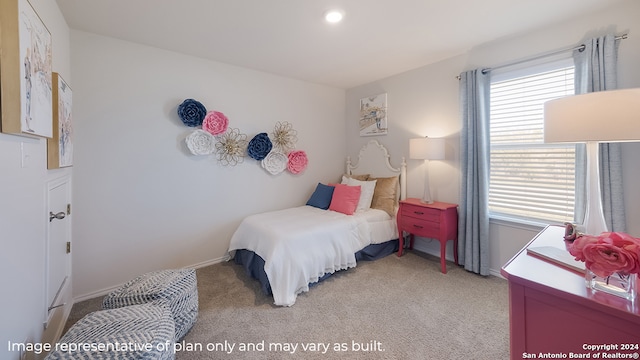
(420, 227)
(420, 212)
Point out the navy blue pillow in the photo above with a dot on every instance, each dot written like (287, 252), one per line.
(321, 198)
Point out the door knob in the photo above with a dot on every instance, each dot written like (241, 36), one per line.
(58, 216)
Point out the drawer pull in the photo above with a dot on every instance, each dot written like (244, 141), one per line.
(418, 212)
(418, 226)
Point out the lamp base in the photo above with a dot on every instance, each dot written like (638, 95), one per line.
(594, 222)
(426, 195)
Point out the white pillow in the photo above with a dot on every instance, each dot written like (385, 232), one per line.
(366, 191)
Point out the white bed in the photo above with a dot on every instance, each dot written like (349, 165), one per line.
(299, 246)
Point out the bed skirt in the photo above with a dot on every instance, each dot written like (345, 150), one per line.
(254, 264)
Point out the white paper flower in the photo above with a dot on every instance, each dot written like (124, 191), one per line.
(275, 162)
(200, 142)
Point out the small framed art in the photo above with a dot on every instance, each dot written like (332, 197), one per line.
(25, 71)
(60, 145)
(373, 115)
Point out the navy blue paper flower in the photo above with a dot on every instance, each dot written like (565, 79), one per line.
(192, 112)
(259, 146)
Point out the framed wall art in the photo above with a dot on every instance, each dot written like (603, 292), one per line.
(373, 115)
(60, 145)
(25, 71)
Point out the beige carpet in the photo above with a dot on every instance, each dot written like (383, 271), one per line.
(393, 308)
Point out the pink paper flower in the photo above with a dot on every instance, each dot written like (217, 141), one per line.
(215, 123)
(608, 253)
(297, 161)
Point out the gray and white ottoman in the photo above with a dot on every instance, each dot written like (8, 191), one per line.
(143, 331)
(176, 289)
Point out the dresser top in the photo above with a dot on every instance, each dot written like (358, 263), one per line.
(534, 272)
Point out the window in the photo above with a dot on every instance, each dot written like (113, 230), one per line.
(529, 179)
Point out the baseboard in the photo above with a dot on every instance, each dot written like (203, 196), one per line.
(105, 291)
(209, 262)
(421, 245)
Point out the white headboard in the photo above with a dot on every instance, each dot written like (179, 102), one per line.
(374, 159)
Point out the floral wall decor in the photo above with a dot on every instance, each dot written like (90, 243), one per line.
(231, 147)
(192, 112)
(215, 123)
(260, 146)
(297, 161)
(201, 142)
(212, 135)
(275, 162)
(284, 137)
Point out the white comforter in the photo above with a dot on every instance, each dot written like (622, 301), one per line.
(301, 244)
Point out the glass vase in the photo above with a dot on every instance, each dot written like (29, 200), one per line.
(618, 284)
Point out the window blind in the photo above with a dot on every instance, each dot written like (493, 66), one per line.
(528, 178)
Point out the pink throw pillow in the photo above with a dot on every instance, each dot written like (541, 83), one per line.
(345, 198)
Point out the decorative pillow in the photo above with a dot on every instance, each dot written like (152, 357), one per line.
(385, 196)
(366, 191)
(321, 197)
(361, 177)
(345, 198)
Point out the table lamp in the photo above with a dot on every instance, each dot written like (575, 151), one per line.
(426, 149)
(592, 118)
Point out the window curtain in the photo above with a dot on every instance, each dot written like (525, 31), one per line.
(596, 70)
(473, 224)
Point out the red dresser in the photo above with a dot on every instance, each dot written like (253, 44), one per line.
(437, 221)
(553, 312)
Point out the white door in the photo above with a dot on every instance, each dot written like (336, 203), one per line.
(58, 268)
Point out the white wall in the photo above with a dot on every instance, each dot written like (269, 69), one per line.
(142, 201)
(23, 213)
(424, 102)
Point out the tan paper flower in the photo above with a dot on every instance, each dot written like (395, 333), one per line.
(284, 138)
(231, 147)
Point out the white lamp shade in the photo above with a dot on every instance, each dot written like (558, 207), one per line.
(426, 149)
(603, 116)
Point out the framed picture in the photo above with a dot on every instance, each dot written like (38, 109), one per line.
(25, 71)
(373, 115)
(60, 146)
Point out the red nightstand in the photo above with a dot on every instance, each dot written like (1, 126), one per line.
(437, 221)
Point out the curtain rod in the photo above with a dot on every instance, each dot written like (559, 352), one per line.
(580, 48)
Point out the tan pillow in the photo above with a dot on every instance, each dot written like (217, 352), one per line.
(385, 196)
(362, 177)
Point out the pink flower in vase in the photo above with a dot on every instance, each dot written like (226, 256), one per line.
(577, 247)
(297, 161)
(629, 244)
(215, 123)
(608, 253)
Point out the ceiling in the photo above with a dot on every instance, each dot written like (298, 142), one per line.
(376, 39)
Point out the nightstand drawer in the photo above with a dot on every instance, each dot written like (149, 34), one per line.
(421, 227)
(420, 212)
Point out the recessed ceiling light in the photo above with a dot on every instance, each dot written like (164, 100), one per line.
(333, 16)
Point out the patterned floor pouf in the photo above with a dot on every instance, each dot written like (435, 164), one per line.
(143, 331)
(175, 289)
